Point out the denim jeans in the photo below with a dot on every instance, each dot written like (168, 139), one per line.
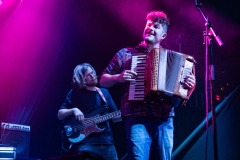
(108, 152)
(149, 138)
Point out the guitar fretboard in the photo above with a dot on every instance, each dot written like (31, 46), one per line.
(107, 117)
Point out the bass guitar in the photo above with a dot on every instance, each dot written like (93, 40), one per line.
(76, 131)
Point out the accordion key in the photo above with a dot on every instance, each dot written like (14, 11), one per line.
(160, 74)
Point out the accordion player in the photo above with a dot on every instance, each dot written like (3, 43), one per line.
(161, 73)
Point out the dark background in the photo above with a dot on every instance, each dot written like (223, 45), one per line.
(42, 42)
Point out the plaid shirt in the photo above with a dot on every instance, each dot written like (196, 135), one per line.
(122, 61)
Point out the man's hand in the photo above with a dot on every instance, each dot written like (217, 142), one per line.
(189, 81)
(78, 114)
(127, 76)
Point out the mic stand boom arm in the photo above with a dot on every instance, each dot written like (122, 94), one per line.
(217, 38)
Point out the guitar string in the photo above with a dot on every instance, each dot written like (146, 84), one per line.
(89, 122)
(86, 123)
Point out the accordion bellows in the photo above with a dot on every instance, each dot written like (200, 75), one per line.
(161, 73)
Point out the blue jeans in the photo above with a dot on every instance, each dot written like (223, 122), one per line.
(108, 152)
(149, 138)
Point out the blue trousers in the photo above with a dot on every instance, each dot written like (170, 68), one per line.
(107, 152)
(149, 138)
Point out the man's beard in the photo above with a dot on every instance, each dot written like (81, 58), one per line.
(92, 83)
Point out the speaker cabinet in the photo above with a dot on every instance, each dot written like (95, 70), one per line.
(17, 136)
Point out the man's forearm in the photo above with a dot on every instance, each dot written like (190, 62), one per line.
(108, 80)
(62, 113)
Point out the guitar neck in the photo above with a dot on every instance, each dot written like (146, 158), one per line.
(107, 117)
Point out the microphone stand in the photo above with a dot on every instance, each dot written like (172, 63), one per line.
(209, 34)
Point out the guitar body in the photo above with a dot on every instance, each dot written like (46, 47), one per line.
(76, 131)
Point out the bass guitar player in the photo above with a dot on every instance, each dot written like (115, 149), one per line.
(85, 115)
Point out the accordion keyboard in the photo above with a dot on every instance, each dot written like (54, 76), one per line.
(136, 89)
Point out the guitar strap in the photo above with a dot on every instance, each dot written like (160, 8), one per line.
(103, 98)
(101, 94)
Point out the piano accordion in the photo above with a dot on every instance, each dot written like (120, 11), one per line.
(161, 73)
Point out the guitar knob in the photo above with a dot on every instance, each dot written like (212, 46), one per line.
(68, 130)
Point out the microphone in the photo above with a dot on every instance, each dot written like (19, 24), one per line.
(198, 4)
